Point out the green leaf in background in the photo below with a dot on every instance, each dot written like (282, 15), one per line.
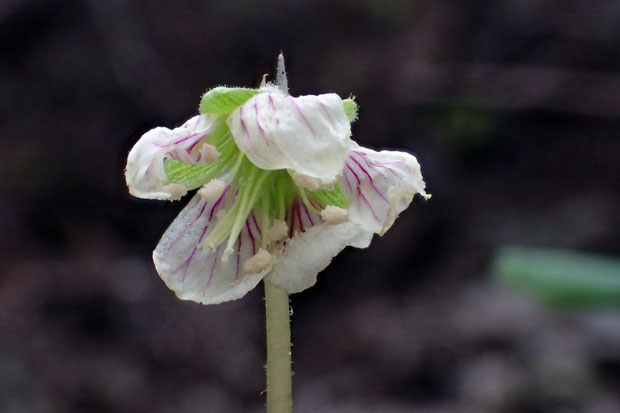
(560, 277)
(223, 100)
(350, 108)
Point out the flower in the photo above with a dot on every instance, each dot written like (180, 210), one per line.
(282, 190)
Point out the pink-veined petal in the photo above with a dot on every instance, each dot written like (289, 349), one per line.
(200, 274)
(308, 134)
(380, 185)
(301, 258)
(145, 174)
(300, 218)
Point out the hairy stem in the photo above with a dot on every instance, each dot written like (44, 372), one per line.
(279, 377)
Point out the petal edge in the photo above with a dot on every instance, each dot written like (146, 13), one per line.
(145, 173)
(380, 185)
(199, 274)
(309, 252)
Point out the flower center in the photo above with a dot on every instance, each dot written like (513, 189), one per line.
(247, 189)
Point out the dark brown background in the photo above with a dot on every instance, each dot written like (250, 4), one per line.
(512, 107)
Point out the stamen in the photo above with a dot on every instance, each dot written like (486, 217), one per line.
(177, 191)
(311, 182)
(260, 262)
(212, 190)
(305, 181)
(209, 153)
(332, 214)
(247, 186)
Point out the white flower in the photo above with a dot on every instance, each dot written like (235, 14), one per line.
(283, 190)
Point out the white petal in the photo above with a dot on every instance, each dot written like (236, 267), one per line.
(199, 274)
(145, 174)
(309, 252)
(308, 134)
(380, 185)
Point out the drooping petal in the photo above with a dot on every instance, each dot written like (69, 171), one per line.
(197, 273)
(300, 260)
(380, 185)
(308, 134)
(145, 174)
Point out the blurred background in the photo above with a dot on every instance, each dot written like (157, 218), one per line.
(512, 108)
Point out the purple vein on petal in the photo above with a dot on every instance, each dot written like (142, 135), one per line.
(372, 183)
(385, 164)
(189, 259)
(272, 106)
(372, 165)
(204, 230)
(260, 233)
(248, 139)
(287, 219)
(260, 128)
(246, 134)
(251, 235)
(308, 215)
(325, 112)
(193, 145)
(302, 115)
(361, 195)
(197, 200)
(183, 139)
(187, 262)
(213, 263)
(238, 257)
(346, 180)
(291, 227)
(315, 204)
(202, 210)
(185, 265)
(357, 178)
(298, 212)
(219, 201)
(372, 211)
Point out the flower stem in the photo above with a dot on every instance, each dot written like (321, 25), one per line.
(279, 377)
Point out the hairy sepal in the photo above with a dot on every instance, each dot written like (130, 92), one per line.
(223, 100)
(350, 108)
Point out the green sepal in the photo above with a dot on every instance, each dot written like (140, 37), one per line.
(350, 108)
(333, 196)
(194, 176)
(223, 100)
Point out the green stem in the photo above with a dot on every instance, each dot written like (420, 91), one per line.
(279, 377)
